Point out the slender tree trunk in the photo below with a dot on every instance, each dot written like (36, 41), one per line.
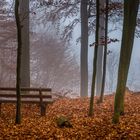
(18, 69)
(25, 60)
(130, 15)
(100, 48)
(84, 49)
(91, 106)
(105, 54)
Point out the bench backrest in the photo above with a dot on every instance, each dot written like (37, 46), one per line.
(26, 89)
(31, 97)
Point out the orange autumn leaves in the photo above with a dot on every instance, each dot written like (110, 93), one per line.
(100, 126)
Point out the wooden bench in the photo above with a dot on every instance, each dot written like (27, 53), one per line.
(40, 98)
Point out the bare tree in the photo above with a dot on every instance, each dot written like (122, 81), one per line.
(105, 54)
(84, 49)
(91, 110)
(18, 69)
(100, 49)
(25, 61)
(130, 16)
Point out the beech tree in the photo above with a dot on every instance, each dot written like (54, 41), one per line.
(84, 49)
(91, 109)
(129, 24)
(100, 48)
(25, 60)
(105, 53)
(18, 69)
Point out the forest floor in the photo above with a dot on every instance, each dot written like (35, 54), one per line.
(98, 127)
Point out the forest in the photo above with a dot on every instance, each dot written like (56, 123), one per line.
(69, 69)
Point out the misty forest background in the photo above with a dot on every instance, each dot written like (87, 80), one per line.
(55, 48)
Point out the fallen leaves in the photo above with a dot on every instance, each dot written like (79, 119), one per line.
(99, 126)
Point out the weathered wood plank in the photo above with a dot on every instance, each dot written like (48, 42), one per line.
(26, 89)
(30, 101)
(12, 95)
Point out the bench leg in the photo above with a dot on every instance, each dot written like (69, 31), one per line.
(43, 109)
(0, 108)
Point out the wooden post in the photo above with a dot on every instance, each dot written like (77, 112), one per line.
(0, 108)
(42, 106)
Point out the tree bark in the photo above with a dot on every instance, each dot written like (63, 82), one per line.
(100, 48)
(18, 69)
(105, 54)
(129, 24)
(91, 106)
(25, 58)
(84, 49)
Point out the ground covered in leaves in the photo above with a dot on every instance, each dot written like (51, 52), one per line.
(98, 127)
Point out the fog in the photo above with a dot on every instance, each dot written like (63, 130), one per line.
(133, 81)
(55, 62)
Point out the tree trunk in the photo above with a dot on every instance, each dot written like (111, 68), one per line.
(18, 69)
(100, 49)
(105, 54)
(130, 15)
(91, 106)
(25, 60)
(84, 49)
